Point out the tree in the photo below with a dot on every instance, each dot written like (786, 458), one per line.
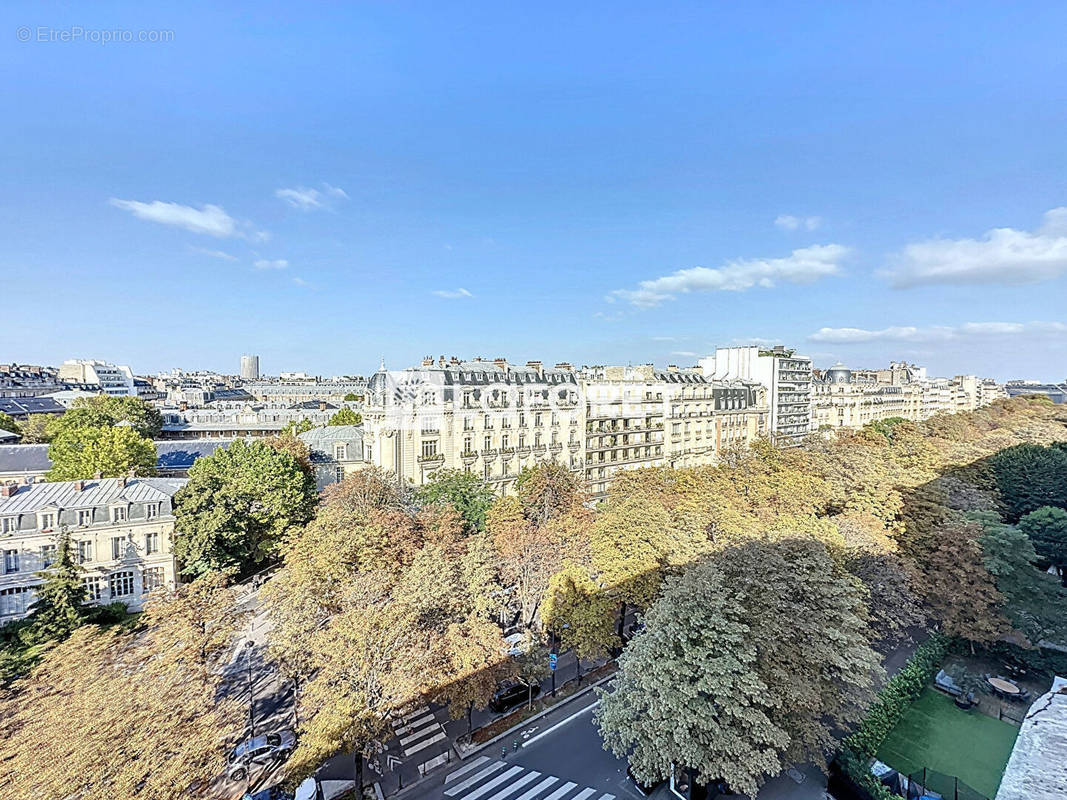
(105, 410)
(958, 588)
(474, 660)
(346, 416)
(689, 693)
(1047, 529)
(580, 613)
(546, 490)
(37, 428)
(352, 397)
(1033, 601)
(81, 453)
(238, 506)
(467, 493)
(57, 608)
(166, 738)
(295, 428)
(293, 445)
(7, 423)
(1029, 477)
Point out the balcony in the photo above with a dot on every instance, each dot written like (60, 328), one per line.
(436, 457)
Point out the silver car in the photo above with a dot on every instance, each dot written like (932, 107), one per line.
(258, 751)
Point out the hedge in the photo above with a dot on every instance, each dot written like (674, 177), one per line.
(899, 693)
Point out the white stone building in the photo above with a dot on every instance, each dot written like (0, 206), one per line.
(111, 378)
(121, 532)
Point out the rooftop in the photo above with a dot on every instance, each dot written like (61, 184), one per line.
(66, 494)
(1037, 769)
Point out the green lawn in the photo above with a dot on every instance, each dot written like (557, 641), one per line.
(935, 734)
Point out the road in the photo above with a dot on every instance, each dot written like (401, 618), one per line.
(560, 757)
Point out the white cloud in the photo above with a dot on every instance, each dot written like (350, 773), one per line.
(1001, 255)
(453, 294)
(936, 333)
(665, 338)
(221, 254)
(686, 353)
(300, 282)
(308, 199)
(805, 265)
(209, 219)
(788, 222)
(266, 263)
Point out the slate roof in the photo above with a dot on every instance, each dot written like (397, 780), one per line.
(8, 436)
(36, 496)
(24, 458)
(21, 406)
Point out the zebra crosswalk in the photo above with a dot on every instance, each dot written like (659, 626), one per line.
(483, 779)
(417, 730)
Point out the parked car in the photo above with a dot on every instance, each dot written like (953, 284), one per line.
(513, 644)
(512, 694)
(258, 751)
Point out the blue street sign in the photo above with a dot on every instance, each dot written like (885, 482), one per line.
(552, 658)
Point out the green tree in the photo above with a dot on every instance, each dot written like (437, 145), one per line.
(581, 614)
(1047, 529)
(38, 428)
(1033, 602)
(295, 428)
(57, 609)
(467, 493)
(346, 416)
(238, 506)
(81, 453)
(105, 410)
(689, 692)
(352, 397)
(7, 423)
(546, 491)
(1029, 477)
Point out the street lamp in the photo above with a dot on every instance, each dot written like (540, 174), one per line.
(251, 695)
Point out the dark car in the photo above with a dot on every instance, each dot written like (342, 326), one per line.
(258, 751)
(512, 694)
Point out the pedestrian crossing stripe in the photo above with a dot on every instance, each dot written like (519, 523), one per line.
(484, 780)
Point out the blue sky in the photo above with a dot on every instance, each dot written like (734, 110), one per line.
(600, 183)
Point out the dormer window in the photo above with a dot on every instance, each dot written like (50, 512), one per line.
(119, 514)
(85, 517)
(340, 452)
(9, 524)
(46, 520)
(151, 510)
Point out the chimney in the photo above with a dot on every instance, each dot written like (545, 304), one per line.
(441, 361)
(427, 361)
(565, 365)
(322, 405)
(455, 362)
(502, 363)
(8, 490)
(98, 476)
(535, 365)
(79, 485)
(672, 368)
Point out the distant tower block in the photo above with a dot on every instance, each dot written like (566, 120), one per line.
(250, 368)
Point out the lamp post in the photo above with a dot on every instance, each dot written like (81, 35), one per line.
(251, 694)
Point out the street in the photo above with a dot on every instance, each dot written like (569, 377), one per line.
(559, 757)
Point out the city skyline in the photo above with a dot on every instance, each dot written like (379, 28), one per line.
(395, 180)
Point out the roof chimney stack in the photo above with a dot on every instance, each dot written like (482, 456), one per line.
(79, 485)
(8, 490)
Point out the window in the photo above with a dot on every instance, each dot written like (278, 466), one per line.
(118, 514)
(153, 578)
(46, 520)
(429, 448)
(537, 439)
(48, 555)
(340, 451)
(11, 561)
(338, 474)
(504, 440)
(151, 543)
(121, 584)
(537, 420)
(488, 442)
(94, 588)
(117, 547)
(151, 510)
(488, 422)
(85, 517)
(468, 445)
(9, 524)
(85, 552)
(522, 440)
(468, 424)
(14, 601)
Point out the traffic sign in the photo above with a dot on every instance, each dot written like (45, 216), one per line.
(552, 659)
